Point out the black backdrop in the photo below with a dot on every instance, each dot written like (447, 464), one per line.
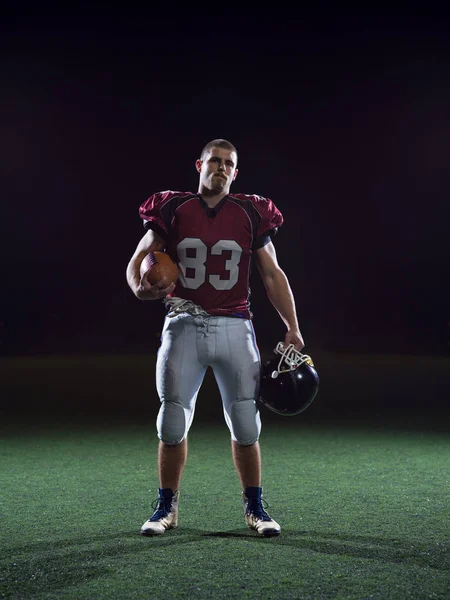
(341, 119)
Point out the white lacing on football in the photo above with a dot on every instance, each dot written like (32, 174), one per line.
(176, 305)
(291, 357)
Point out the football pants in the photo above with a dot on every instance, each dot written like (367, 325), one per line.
(189, 345)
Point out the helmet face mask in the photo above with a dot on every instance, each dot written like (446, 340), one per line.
(290, 359)
(289, 381)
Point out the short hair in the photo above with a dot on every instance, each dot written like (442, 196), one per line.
(218, 143)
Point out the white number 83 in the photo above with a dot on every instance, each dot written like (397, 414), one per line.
(198, 263)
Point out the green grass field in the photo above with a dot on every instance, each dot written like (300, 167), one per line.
(364, 514)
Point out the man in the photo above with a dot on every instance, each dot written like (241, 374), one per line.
(213, 236)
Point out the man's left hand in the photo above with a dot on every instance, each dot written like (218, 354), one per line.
(293, 336)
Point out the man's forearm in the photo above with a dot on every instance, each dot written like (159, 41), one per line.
(280, 295)
(149, 243)
(133, 275)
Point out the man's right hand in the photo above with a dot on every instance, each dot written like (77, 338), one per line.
(146, 291)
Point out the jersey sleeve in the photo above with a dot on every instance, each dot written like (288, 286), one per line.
(270, 220)
(152, 214)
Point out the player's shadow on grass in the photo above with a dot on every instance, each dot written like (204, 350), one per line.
(370, 547)
(29, 579)
(49, 565)
(105, 540)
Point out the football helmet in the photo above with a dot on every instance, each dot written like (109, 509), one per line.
(289, 381)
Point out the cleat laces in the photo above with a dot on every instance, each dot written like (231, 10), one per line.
(162, 507)
(257, 508)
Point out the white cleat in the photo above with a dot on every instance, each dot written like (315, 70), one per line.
(257, 518)
(165, 515)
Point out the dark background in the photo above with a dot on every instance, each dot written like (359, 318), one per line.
(341, 118)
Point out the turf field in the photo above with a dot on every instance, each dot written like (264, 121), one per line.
(364, 512)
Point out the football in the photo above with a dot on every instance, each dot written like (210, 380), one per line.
(159, 267)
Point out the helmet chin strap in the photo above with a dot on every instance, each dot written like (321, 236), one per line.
(291, 357)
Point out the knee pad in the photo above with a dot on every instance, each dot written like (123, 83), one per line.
(173, 423)
(244, 422)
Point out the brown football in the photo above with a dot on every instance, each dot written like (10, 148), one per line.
(158, 266)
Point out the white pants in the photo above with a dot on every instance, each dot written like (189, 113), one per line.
(189, 345)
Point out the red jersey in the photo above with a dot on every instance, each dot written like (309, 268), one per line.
(212, 246)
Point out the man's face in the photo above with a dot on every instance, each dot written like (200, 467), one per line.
(217, 170)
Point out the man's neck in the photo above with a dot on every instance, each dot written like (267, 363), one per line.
(212, 199)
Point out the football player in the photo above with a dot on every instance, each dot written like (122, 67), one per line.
(213, 236)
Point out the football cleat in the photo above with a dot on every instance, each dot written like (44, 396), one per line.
(165, 515)
(255, 515)
(289, 381)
